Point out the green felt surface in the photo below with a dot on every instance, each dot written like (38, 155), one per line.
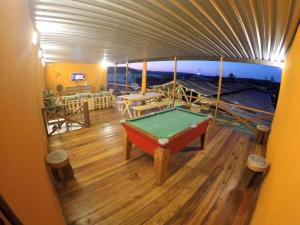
(167, 123)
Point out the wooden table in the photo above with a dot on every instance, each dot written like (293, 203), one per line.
(128, 100)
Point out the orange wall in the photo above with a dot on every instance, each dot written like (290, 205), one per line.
(24, 179)
(279, 199)
(60, 73)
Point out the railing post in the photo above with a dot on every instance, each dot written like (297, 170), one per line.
(115, 78)
(174, 80)
(127, 77)
(219, 88)
(45, 120)
(144, 77)
(86, 114)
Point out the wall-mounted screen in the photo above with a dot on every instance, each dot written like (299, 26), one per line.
(77, 76)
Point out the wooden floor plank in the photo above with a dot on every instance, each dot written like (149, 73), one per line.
(202, 186)
(206, 205)
(171, 185)
(173, 206)
(228, 201)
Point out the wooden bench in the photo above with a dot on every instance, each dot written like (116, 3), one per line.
(140, 108)
(78, 89)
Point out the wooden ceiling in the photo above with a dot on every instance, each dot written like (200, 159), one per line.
(89, 31)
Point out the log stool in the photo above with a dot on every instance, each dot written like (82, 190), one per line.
(256, 166)
(59, 163)
(262, 133)
(195, 108)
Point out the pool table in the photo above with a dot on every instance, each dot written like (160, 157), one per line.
(164, 133)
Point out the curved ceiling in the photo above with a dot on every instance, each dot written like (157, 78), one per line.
(88, 31)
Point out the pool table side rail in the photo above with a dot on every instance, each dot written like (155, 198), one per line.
(138, 137)
(195, 113)
(187, 136)
(150, 114)
(155, 140)
(124, 123)
(164, 111)
(168, 110)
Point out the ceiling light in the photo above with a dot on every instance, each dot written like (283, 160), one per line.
(43, 62)
(34, 38)
(281, 65)
(40, 53)
(48, 27)
(105, 64)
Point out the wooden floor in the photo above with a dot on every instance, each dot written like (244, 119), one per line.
(202, 186)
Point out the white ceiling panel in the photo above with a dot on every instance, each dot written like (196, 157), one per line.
(259, 31)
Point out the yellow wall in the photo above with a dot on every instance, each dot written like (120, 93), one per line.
(60, 73)
(24, 179)
(279, 199)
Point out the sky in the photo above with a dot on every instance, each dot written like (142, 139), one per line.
(243, 70)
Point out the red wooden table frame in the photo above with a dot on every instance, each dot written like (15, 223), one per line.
(162, 149)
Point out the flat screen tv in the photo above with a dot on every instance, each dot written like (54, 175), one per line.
(77, 76)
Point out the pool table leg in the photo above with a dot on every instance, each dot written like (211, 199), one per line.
(127, 145)
(161, 160)
(203, 140)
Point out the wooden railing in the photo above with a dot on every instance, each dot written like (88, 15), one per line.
(94, 103)
(245, 115)
(98, 102)
(121, 88)
(256, 116)
(57, 116)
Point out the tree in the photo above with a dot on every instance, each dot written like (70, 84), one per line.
(271, 84)
(231, 77)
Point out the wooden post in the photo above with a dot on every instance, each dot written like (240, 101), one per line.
(115, 78)
(161, 160)
(126, 145)
(86, 114)
(191, 95)
(174, 80)
(203, 139)
(45, 119)
(127, 77)
(219, 88)
(144, 77)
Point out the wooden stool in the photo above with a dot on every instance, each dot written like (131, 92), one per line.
(256, 166)
(195, 108)
(59, 163)
(262, 133)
